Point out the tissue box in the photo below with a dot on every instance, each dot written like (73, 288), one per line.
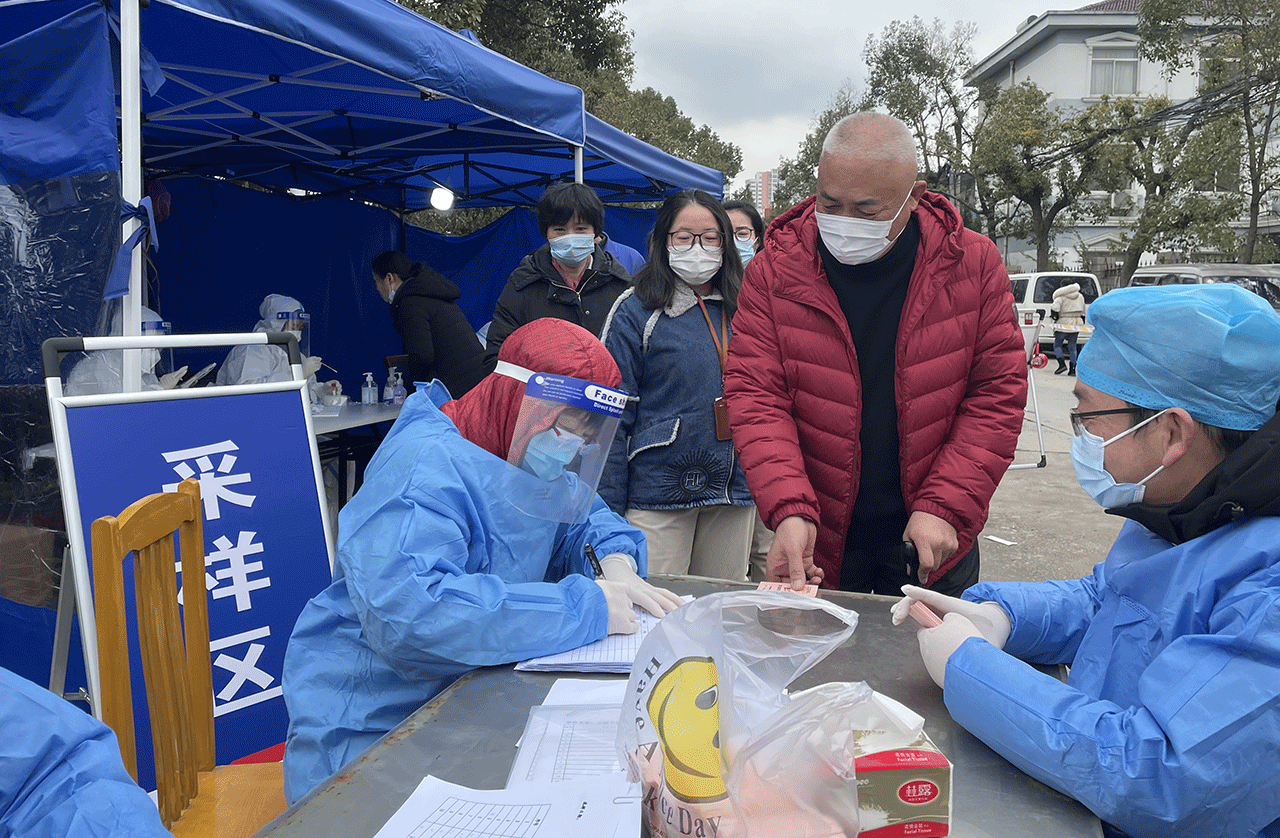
(904, 791)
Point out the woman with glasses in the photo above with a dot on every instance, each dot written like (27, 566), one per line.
(672, 471)
(748, 229)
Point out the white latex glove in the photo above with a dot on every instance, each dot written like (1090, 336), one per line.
(310, 365)
(622, 614)
(987, 617)
(657, 601)
(939, 643)
(170, 379)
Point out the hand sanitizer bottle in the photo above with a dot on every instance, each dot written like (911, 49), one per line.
(369, 391)
(389, 391)
(398, 393)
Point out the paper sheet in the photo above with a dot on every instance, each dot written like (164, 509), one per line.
(587, 691)
(438, 809)
(567, 742)
(614, 653)
(562, 743)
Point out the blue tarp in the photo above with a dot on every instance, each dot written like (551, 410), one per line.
(57, 100)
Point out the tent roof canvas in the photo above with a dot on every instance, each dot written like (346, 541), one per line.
(365, 99)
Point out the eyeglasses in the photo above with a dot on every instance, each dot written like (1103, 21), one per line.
(744, 234)
(682, 240)
(1077, 418)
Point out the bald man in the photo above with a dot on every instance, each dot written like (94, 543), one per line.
(876, 377)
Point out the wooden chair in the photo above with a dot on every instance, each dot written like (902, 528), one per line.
(195, 797)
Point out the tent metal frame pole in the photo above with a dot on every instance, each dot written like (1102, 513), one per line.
(131, 177)
(577, 164)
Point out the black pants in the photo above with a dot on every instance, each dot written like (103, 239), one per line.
(881, 569)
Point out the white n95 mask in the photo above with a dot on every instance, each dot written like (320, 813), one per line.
(856, 241)
(1087, 456)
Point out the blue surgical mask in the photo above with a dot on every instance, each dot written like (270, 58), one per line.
(573, 249)
(1087, 456)
(746, 250)
(549, 452)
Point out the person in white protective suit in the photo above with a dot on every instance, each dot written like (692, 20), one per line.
(61, 772)
(1168, 723)
(102, 370)
(448, 559)
(260, 363)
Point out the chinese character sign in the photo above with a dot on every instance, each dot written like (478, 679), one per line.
(265, 549)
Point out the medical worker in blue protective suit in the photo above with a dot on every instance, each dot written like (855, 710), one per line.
(437, 572)
(1169, 723)
(61, 773)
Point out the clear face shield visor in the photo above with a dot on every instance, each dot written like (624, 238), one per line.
(155, 360)
(561, 441)
(297, 323)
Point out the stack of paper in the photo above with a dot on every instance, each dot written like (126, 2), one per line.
(614, 653)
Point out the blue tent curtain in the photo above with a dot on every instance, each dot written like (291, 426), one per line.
(320, 251)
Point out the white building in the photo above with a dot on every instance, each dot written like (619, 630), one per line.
(1077, 57)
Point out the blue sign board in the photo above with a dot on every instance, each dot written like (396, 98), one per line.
(265, 548)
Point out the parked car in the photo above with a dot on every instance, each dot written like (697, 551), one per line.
(1263, 280)
(1033, 296)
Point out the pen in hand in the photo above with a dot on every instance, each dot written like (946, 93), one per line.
(595, 563)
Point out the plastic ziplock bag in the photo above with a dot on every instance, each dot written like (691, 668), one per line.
(720, 746)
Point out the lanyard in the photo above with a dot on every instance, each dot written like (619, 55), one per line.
(722, 348)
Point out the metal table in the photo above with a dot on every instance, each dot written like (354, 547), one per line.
(467, 735)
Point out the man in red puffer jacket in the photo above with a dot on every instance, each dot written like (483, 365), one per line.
(876, 377)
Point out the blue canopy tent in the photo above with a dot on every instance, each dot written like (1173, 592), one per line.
(315, 100)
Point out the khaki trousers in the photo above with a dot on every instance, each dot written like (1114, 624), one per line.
(710, 541)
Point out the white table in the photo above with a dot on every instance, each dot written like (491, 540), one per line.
(349, 447)
(355, 415)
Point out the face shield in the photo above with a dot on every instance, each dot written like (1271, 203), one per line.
(155, 360)
(561, 440)
(298, 324)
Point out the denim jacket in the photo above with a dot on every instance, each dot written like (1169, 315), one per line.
(665, 454)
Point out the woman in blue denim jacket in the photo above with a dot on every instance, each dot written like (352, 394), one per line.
(673, 471)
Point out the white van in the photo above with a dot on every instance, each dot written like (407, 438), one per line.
(1033, 297)
(1263, 280)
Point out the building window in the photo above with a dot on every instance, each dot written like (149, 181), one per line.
(1113, 71)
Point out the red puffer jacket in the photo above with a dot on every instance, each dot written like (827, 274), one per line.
(795, 400)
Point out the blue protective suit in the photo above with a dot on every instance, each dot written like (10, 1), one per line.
(435, 574)
(60, 771)
(1169, 723)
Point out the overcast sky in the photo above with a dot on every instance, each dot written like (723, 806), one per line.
(758, 71)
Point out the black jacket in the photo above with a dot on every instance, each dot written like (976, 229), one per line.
(1245, 483)
(437, 338)
(535, 290)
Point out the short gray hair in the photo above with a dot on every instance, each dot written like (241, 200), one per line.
(874, 135)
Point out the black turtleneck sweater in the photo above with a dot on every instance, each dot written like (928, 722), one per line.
(871, 296)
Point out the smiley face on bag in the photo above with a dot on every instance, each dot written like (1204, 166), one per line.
(684, 709)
